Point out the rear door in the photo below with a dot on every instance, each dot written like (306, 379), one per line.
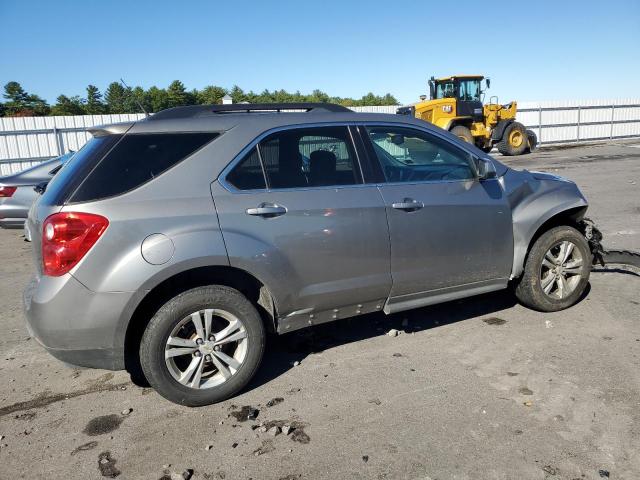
(295, 212)
(451, 234)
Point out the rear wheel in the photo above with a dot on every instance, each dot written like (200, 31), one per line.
(463, 133)
(514, 140)
(556, 271)
(203, 346)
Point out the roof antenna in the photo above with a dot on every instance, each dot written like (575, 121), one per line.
(135, 98)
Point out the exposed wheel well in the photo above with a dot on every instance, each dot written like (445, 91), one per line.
(569, 217)
(460, 123)
(232, 277)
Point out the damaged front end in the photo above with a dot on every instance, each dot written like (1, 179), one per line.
(606, 257)
(594, 238)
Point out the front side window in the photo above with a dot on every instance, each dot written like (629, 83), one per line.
(408, 155)
(445, 90)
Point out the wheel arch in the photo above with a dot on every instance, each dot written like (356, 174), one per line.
(562, 216)
(455, 121)
(250, 286)
(498, 130)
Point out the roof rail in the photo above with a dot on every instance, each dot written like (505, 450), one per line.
(192, 111)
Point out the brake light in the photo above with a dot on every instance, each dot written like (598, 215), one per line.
(7, 191)
(67, 237)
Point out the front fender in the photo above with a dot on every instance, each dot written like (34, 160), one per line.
(535, 199)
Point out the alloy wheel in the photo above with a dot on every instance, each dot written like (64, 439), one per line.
(561, 270)
(206, 348)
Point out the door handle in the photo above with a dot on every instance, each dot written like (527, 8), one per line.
(267, 210)
(408, 205)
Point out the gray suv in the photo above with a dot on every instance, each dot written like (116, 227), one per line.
(176, 243)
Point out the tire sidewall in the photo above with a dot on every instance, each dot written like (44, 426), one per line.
(520, 149)
(461, 131)
(152, 347)
(531, 279)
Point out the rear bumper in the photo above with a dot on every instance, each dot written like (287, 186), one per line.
(12, 222)
(11, 215)
(73, 323)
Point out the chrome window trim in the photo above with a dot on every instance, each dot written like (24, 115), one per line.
(240, 156)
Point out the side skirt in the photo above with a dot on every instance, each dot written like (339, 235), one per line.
(422, 299)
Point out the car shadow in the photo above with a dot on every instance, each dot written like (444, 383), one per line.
(283, 350)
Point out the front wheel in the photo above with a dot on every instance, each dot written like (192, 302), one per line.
(463, 133)
(514, 140)
(556, 271)
(203, 346)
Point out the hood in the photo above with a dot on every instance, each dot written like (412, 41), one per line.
(548, 176)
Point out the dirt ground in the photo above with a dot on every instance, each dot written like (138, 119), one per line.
(476, 389)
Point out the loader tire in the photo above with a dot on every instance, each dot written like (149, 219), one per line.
(463, 133)
(533, 141)
(514, 140)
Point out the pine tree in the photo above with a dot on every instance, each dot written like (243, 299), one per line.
(68, 106)
(177, 94)
(94, 105)
(22, 103)
(116, 98)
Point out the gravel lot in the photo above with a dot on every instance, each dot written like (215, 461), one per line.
(475, 389)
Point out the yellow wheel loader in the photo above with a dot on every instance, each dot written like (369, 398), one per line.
(456, 105)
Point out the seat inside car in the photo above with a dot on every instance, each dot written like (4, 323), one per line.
(322, 168)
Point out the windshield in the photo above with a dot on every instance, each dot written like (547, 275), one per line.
(469, 90)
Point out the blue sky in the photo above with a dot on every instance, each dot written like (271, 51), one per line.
(538, 50)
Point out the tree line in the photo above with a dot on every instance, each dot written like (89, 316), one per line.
(120, 99)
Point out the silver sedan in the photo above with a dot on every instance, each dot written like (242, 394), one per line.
(18, 191)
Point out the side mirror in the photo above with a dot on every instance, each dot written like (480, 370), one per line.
(485, 168)
(488, 80)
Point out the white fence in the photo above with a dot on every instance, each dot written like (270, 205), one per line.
(25, 141)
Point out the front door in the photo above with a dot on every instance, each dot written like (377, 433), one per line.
(451, 234)
(311, 231)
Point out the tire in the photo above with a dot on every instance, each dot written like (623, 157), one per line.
(463, 133)
(530, 290)
(514, 140)
(229, 304)
(532, 138)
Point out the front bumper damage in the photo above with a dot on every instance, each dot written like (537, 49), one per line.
(604, 257)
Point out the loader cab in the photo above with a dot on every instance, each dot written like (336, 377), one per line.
(465, 89)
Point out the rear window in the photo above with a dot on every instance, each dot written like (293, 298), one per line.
(69, 177)
(135, 160)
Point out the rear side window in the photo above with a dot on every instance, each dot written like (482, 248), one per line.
(77, 168)
(135, 160)
(310, 157)
(248, 175)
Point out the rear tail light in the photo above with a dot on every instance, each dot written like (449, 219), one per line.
(7, 191)
(67, 237)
